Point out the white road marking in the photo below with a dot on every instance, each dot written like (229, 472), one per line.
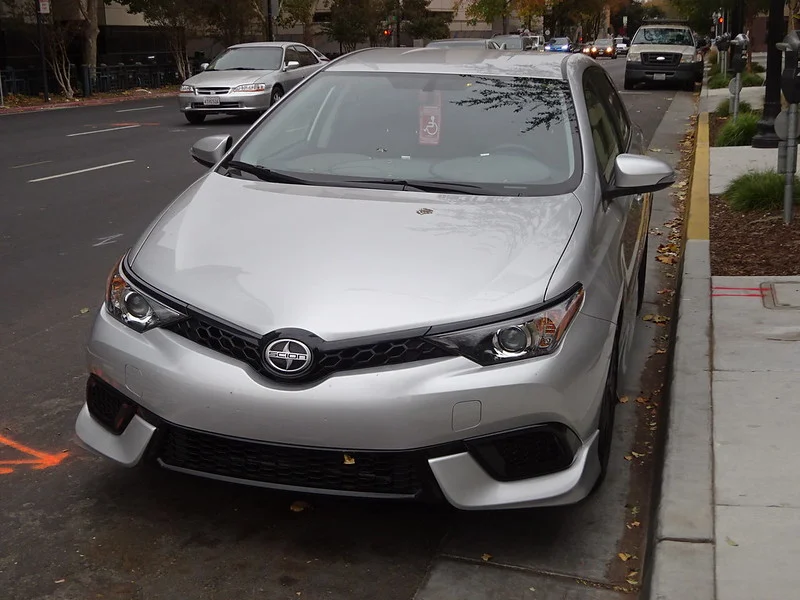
(116, 164)
(634, 93)
(103, 130)
(104, 241)
(43, 162)
(137, 109)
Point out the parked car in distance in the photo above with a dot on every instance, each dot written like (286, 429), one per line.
(560, 44)
(467, 252)
(603, 48)
(464, 43)
(622, 44)
(246, 78)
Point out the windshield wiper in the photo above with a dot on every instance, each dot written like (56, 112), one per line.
(265, 174)
(433, 187)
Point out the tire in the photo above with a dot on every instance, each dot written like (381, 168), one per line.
(607, 413)
(689, 86)
(628, 85)
(277, 94)
(642, 276)
(194, 118)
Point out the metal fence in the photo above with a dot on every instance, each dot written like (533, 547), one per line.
(87, 81)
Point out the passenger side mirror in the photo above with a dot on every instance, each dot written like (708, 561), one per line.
(204, 66)
(636, 174)
(291, 65)
(210, 150)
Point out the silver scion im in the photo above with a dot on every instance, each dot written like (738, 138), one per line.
(246, 78)
(417, 276)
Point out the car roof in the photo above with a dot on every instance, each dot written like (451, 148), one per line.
(473, 61)
(266, 45)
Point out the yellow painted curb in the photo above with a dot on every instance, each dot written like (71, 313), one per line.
(697, 227)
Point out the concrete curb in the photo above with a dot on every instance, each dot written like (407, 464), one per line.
(83, 103)
(684, 551)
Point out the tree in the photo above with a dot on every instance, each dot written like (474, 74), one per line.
(350, 23)
(488, 11)
(636, 11)
(174, 18)
(90, 11)
(419, 23)
(229, 21)
(299, 12)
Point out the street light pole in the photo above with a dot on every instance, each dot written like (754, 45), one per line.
(765, 136)
(42, 8)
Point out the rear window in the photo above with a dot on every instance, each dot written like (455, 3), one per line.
(504, 135)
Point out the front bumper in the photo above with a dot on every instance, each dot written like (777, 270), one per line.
(636, 72)
(443, 419)
(246, 102)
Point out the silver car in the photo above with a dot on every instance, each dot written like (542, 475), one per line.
(464, 43)
(416, 276)
(246, 78)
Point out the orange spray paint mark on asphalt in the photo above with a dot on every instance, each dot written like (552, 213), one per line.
(38, 460)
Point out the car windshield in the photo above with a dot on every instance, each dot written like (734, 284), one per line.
(602, 43)
(512, 43)
(483, 134)
(667, 36)
(559, 42)
(248, 59)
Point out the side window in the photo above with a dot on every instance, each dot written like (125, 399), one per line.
(291, 54)
(606, 91)
(307, 57)
(604, 134)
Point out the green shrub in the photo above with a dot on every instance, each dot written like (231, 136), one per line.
(758, 190)
(739, 132)
(724, 108)
(718, 81)
(757, 68)
(752, 80)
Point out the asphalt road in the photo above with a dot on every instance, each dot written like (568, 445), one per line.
(77, 187)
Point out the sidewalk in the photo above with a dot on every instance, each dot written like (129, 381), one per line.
(730, 510)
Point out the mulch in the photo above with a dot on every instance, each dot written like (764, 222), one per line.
(753, 243)
(24, 104)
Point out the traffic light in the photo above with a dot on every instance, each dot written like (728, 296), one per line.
(721, 20)
(387, 32)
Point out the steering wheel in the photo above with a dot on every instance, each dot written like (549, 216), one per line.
(517, 147)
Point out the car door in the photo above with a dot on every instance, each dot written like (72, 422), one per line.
(291, 77)
(308, 62)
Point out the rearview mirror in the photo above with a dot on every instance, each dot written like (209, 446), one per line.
(204, 66)
(292, 64)
(636, 174)
(210, 150)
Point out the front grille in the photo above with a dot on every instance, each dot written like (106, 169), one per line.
(108, 406)
(220, 105)
(326, 361)
(526, 453)
(386, 473)
(207, 91)
(651, 59)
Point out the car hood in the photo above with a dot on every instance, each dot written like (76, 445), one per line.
(344, 262)
(226, 78)
(662, 48)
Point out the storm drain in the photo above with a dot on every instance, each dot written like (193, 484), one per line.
(783, 295)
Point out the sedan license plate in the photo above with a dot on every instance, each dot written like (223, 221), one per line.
(211, 101)
(659, 77)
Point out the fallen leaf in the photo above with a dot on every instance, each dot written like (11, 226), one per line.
(731, 542)
(658, 319)
(84, 311)
(642, 400)
(623, 399)
(637, 454)
(632, 581)
(532, 589)
(349, 460)
(633, 573)
(655, 149)
(667, 260)
(628, 457)
(59, 581)
(661, 351)
(635, 511)
(299, 506)
(624, 556)
(486, 557)
(633, 524)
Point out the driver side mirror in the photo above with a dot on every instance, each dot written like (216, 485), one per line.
(291, 65)
(636, 174)
(204, 66)
(210, 150)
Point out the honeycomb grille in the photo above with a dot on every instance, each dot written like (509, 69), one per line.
(326, 362)
(390, 473)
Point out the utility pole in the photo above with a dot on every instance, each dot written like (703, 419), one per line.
(270, 17)
(43, 8)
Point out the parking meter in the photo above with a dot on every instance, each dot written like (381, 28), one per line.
(739, 51)
(790, 86)
(723, 45)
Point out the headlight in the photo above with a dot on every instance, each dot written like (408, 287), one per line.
(534, 335)
(134, 308)
(609, 49)
(634, 56)
(250, 87)
(547, 47)
(687, 58)
(187, 89)
(565, 47)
